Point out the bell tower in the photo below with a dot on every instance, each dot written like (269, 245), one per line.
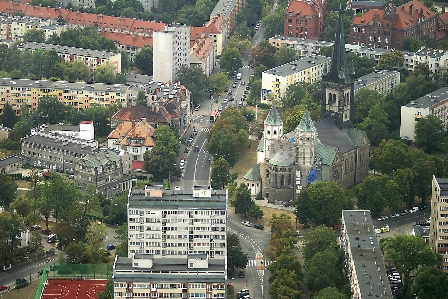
(338, 84)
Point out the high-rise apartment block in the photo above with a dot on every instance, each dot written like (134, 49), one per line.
(177, 245)
(438, 235)
(171, 50)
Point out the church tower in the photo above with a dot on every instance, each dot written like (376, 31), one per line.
(306, 142)
(337, 85)
(273, 130)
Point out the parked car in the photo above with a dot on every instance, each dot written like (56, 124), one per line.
(110, 247)
(259, 226)
(246, 223)
(186, 150)
(40, 272)
(3, 287)
(242, 274)
(20, 280)
(177, 188)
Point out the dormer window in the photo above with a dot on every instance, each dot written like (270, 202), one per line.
(275, 132)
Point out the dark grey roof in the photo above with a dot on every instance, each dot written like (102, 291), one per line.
(67, 50)
(9, 160)
(373, 78)
(430, 99)
(68, 144)
(421, 231)
(330, 135)
(366, 256)
(443, 184)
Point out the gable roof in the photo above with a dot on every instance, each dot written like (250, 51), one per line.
(136, 113)
(254, 173)
(330, 135)
(301, 8)
(260, 147)
(273, 117)
(408, 14)
(281, 159)
(326, 153)
(101, 158)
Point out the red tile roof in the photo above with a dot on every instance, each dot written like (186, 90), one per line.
(128, 39)
(444, 18)
(368, 16)
(138, 165)
(299, 7)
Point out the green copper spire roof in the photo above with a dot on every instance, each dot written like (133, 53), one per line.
(306, 124)
(273, 117)
(253, 174)
(339, 70)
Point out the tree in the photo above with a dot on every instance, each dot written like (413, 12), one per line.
(285, 285)
(273, 23)
(318, 239)
(286, 260)
(9, 188)
(365, 99)
(104, 73)
(220, 174)
(263, 53)
(321, 203)
(122, 237)
(96, 233)
(330, 293)
(429, 132)
(231, 60)
(375, 193)
(194, 80)
(21, 129)
(255, 211)
(408, 254)
(108, 292)
(243, 200)
(76, 253)
(8, 117)
(218, 82)
(389, 156)
(284, 55)
(125, 61)
(143, 60)
(141, 99)
(100, 115)
(34, 35)
(295, 94)
(50, 110)
(391, 61)
(405, 181)
(35, 242)
(236, 258)
(282, 235)
(76, 71)
(324, 270)
(429, 283)
(11, 226)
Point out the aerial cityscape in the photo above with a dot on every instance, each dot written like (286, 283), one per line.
(248, 149)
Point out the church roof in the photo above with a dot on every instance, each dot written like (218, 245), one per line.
(306, 124)
(254, 173)
(331, 135)
(339, 70)
(260, 147)
(273, 117)
(326, 153)
(281, 159)
(355, 136)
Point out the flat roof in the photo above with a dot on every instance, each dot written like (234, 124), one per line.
(443, 185)
(376, 76)
(298, 65)
(67, 50)
(9, 160)
(62, 142)
(430, 99)
(303, 41)
(366, 254)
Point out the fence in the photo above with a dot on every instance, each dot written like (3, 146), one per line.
(87, 271)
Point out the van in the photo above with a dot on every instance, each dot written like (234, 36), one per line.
(414, 209)
(238, 76)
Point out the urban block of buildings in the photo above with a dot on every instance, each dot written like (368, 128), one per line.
(382, 81)
(389, 27)
(177, 244)
(228, 10)
(364, 263)
(438, 233)
(434, 103)
(305, 19)
(275, 82)
(329, 149)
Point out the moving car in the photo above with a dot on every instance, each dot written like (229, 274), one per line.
(246, 223)
(259, 226)
(242, 274)
(177, 188)
(196, 148)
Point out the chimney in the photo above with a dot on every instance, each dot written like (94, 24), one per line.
(410, 8)
(421, 14)
(143, 119)
(443, 9)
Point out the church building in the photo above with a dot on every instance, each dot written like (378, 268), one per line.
(330, 149)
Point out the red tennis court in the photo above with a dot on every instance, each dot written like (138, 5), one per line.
(72, 289)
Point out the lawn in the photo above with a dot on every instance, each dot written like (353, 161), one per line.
(247, 159)
(27, 292)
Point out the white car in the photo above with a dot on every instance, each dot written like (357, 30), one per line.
(177, 188)
(246, 223)
(225, 100)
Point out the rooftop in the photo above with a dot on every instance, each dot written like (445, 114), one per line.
(431, 99)
(368, 263)
(67, 50)
(443, 185)
(374, 77)
(298, 65)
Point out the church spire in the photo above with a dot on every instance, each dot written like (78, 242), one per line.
(339, 71)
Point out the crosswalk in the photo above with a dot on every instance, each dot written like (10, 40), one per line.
(246, 67)
(253, 263)
(205, 130)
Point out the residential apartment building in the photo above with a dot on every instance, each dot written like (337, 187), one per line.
(305, 47)
(177, 244)
(228, 10)
(436, 59)
(91, 58)
(364, 262)
(14, 27)
(388, 28)
(79, 95)
(305, 19)
(202, 54)
(435, 103)
(216, 29)
(79, 3)
(438, 232)
(382, 81)
(274, 82)
(84, 131)
(171, 51)
(10, 164)
(135, 138)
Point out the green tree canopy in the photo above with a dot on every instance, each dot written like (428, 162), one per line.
(34, 35)
(322, 203)
(8, 193)
(231, 60)
(429, 283)
(429, 132)
(263, 53)
(220, 174)
(330, 293)
(391, 61)
(389, 156)
(243, 200)
(318, 239)
(324, 270)
(143, 60)
(194, 80)
(236, 257)
(8, 117)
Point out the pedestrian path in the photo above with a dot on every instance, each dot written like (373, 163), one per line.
(205, 130)
(253, 263)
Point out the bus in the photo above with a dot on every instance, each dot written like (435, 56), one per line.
(214, 116)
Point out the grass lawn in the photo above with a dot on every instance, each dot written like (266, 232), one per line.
(268, 212)
(27, 292)
(247, 159)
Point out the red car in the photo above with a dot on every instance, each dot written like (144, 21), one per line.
(2, 288)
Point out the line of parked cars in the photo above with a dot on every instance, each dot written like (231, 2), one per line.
(256, 225)
(243, 294)
(395, 279)
(405, 212)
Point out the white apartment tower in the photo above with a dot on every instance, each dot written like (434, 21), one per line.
(171, 50)
(438, 234)
(177, 244)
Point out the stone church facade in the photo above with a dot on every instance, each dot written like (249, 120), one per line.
(330, 149)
